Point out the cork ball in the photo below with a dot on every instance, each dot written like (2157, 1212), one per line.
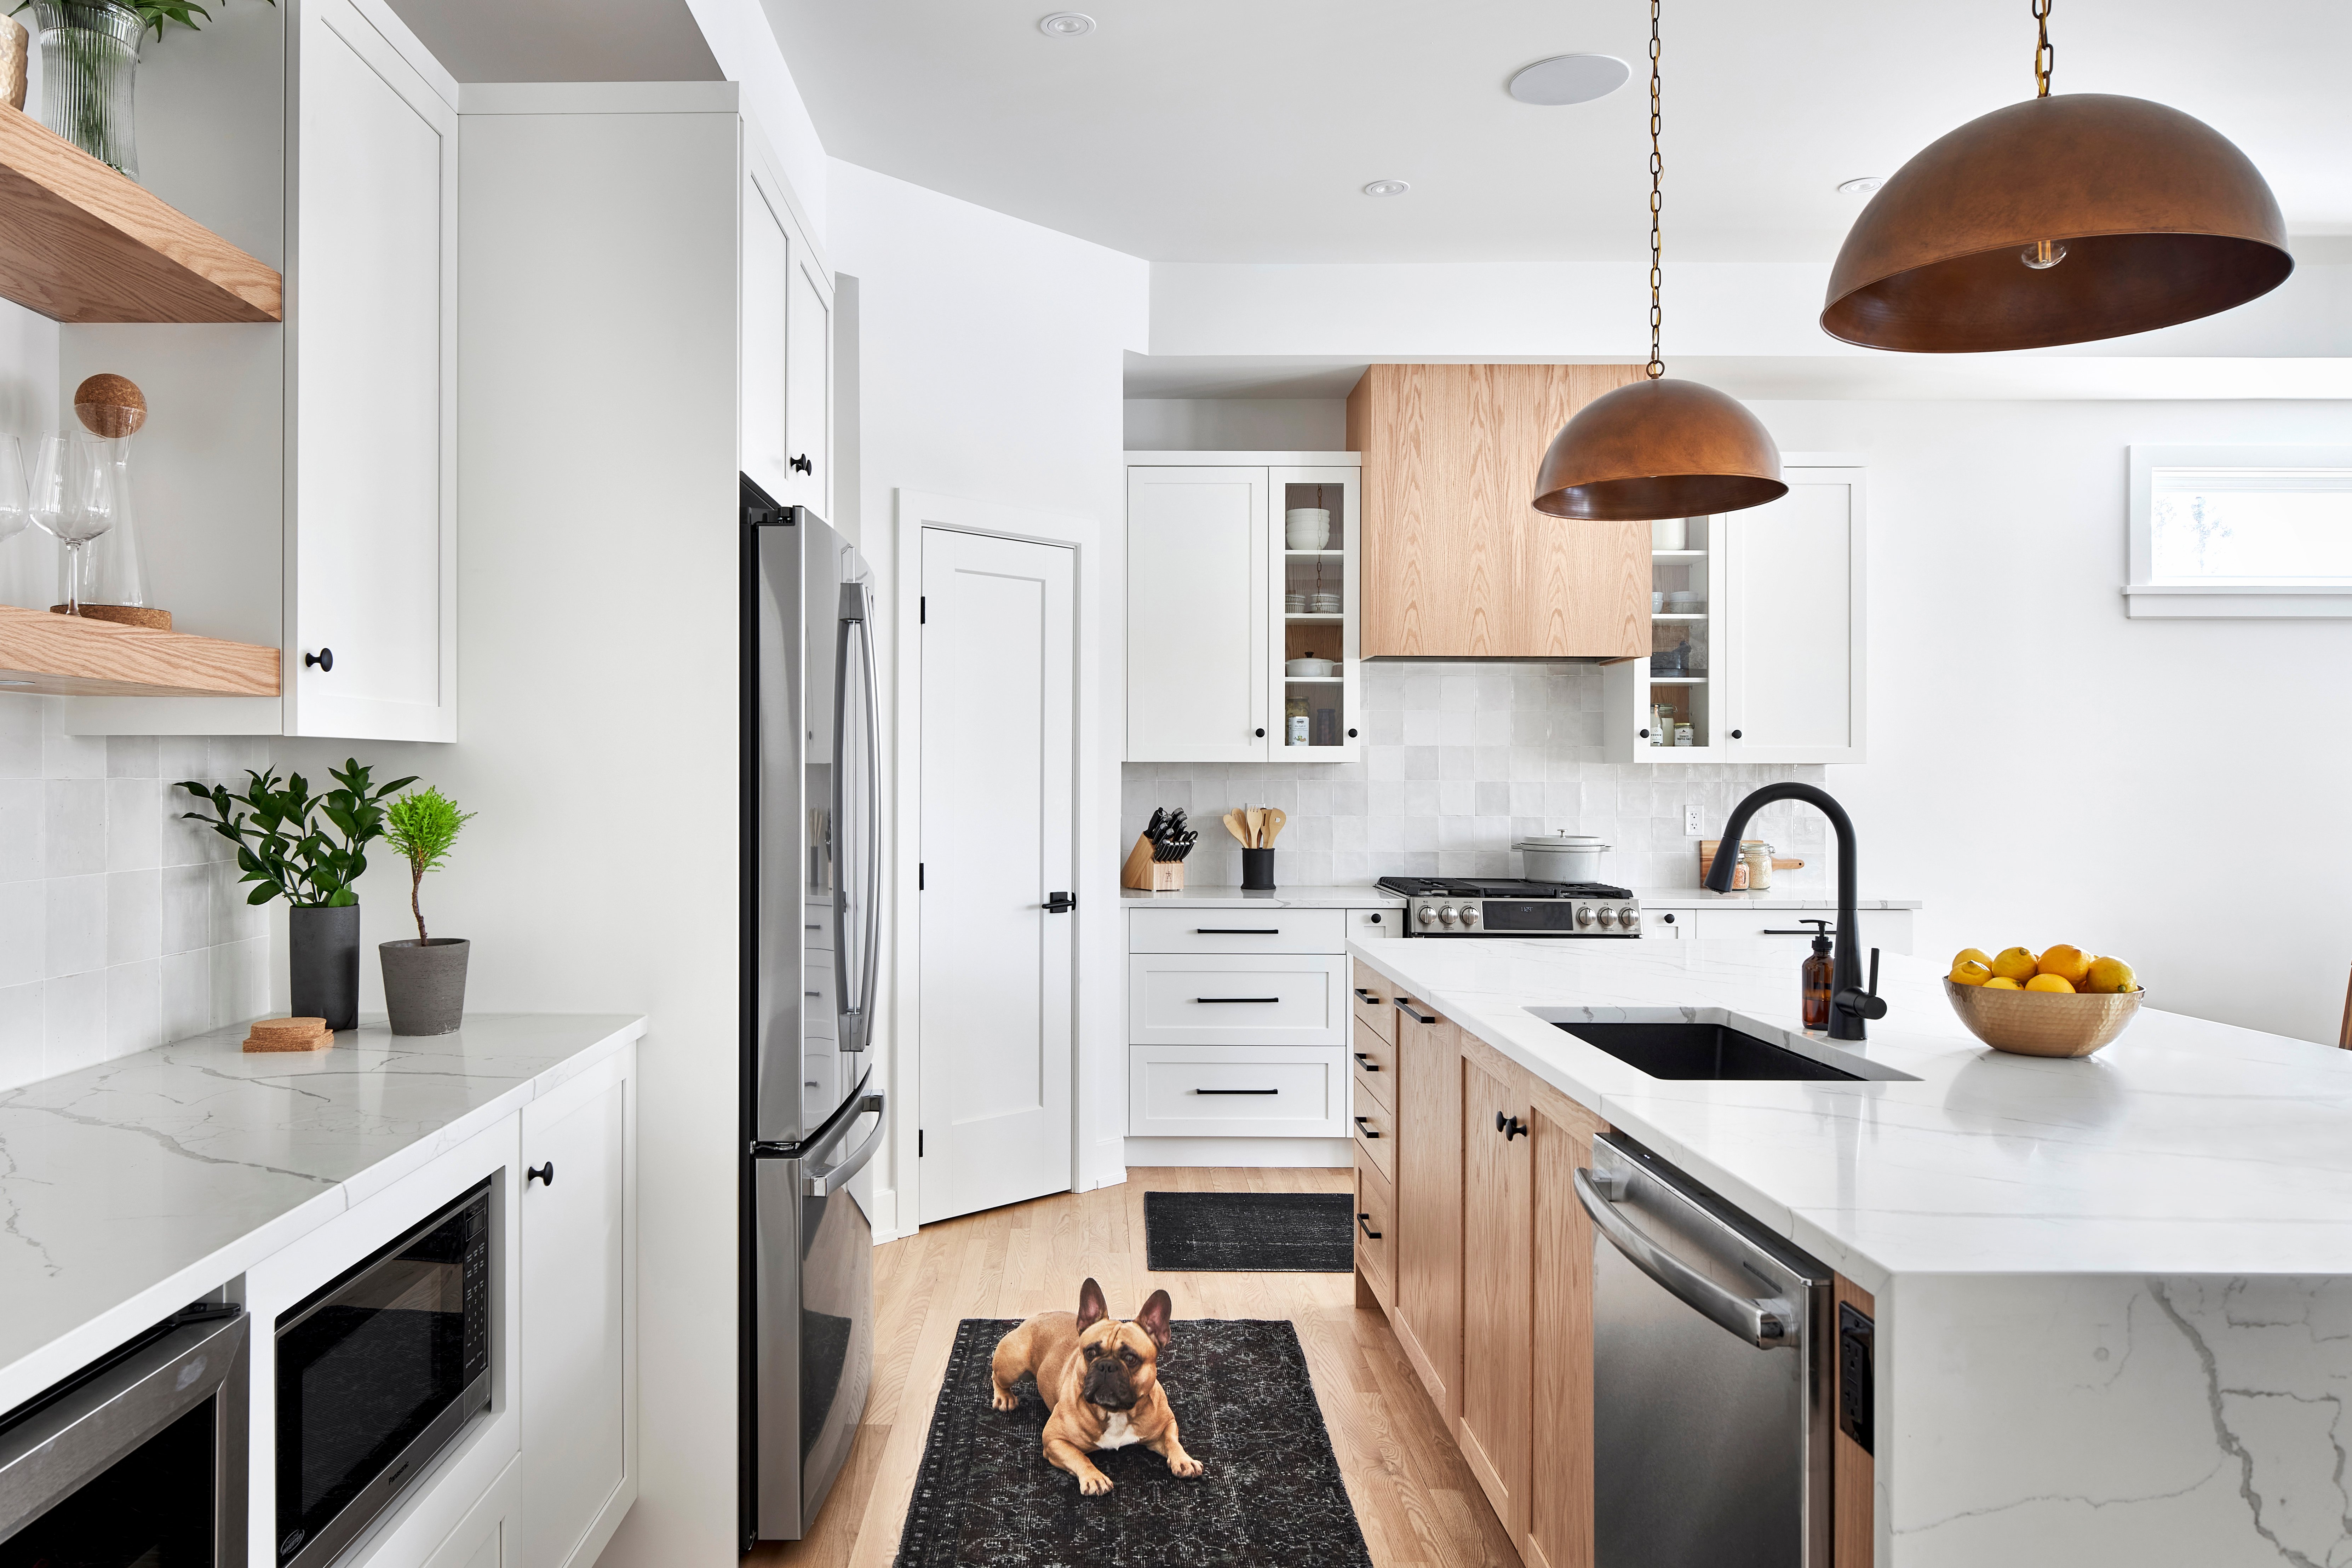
(110, 406)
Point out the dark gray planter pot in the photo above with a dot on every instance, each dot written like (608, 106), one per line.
(424, 984)
(323, 959)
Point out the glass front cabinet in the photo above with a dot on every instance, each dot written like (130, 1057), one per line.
(1243, 581)
(1756, 632)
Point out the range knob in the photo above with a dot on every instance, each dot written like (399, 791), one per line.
(1608, 917)
(1469, 915)
(1446, 915)
(1629, 918)
(1584, 914)
(1427, 916)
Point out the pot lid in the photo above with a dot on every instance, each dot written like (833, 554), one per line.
(1562, 841)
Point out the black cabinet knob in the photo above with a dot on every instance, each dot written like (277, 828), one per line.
(1510, 1127)
(324, 658)
(1668, 917)
(1351, 734)
(801, 465)
(1735, 735)
(1261, 735)
(1646, 734)
(540, 1173)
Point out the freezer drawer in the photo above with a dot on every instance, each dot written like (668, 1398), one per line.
(1209, 1092)
(1236, 931)
(1179, 1000)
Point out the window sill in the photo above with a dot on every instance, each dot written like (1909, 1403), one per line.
(2238, 601)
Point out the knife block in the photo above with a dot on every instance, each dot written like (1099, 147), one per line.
(1147, 875)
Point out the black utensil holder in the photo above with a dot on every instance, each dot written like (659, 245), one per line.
(1258, 871)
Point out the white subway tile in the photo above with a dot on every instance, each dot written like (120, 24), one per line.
(187, 994)
(131, 756)
(134, 824)
(20, 736)
(24, 919)
(74, 840)
(24, 817)
(20, 1034)
(65, 756)
(75, 916)
(240, 982)
(135, 916)
(134, 1006)
(73, 1025)
(187, 907)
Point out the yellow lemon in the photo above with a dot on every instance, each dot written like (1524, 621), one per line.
(2002, 983)
(2051, 982)
(1972, 955)
(2068, 964)
(2015, 963)
(2109, 976)
(1968, 972)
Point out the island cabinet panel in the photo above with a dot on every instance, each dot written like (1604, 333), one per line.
(1428, 1176)
(1853, 1529)
(1560, 1449)
(1497, 1287)
(1375, 1230)
(1456, 562)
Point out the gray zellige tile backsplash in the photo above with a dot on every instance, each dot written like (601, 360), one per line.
(1459, 760)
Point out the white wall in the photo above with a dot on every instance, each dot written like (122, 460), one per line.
(744, 44)
(989, 368)
(1236, 423)
(2042, 768)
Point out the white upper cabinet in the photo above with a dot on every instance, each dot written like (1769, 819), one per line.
(1757, 632)
(1227, 605)
(808, 389)
(786, 406)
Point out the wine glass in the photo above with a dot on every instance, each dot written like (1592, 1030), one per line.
(13, 494)
(72, 500)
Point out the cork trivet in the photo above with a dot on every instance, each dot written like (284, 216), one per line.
(289, 1035)
(123, 615)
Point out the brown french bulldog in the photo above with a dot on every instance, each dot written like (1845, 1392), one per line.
(1101, 1377)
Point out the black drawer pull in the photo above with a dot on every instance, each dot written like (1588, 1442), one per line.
(1362, 1216)
(1368, 1065)
(1236, 931)
(1237, 1091)
(1509, 1127)
(1366, 997)
(1405, 1006)
(1363, 1124)
(1236, 998)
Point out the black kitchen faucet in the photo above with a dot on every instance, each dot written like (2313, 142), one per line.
(1850, 1003)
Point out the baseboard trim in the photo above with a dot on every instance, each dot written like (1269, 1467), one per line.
(1326, 1153)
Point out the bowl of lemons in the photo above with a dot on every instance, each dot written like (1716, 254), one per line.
(2061, 1002)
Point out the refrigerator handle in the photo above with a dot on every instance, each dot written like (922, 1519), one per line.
(855, 1005)
(833, 1178)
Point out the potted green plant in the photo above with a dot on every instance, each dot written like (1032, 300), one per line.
(425, 980)
(283, 845)
(89, 66)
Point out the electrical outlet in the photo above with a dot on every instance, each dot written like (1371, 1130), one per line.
(1690, 821)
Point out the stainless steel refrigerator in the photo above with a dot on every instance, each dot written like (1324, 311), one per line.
(811, 938)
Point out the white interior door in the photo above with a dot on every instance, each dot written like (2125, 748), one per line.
(998, 770)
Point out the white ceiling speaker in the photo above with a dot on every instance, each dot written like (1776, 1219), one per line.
(1570, 78)
(1387, 188)
(1065, 25)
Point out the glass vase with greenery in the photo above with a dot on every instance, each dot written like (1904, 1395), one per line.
(89, 66)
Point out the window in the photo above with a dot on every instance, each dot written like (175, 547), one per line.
(2240, 532)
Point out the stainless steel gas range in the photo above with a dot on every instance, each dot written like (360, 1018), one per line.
(1509, 906)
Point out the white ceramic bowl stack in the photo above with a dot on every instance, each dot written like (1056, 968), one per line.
(1308, 528)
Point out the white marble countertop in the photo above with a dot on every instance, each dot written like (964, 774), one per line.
(1770, 899)
(129, 1189)
(2185, 1147)
(1359, 896)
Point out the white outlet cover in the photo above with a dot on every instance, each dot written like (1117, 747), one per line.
(1690, 821)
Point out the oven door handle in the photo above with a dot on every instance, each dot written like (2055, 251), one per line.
(1768, 1324)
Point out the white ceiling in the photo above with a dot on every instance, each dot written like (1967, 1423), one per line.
(1242, 131)
(562, 40)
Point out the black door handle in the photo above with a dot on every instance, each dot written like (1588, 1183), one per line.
(801, 465)
(540, 1173)
(324, 658)
(1237, 1091)
(1509, 1127)
(1369, 1065)
(1236, 998)
(1361, 1217)
(1364, 1122)
(1060, 904)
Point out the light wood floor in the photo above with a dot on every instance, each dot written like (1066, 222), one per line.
(1414, 1496)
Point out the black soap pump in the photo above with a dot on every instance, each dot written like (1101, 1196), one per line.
(1819, 969)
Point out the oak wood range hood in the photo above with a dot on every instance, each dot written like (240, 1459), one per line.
(1457, 563)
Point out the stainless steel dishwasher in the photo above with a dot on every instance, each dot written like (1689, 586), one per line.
(1711, 1383)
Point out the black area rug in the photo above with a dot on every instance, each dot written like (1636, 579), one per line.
(1249, 1233)
(1269, 1495)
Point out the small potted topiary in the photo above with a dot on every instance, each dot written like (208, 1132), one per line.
(425, 980)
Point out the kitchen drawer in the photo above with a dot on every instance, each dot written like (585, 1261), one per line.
(1224, 1091)
(1375, 1061)
(1236, 931)
(1666, 925)
(1375, 1126)
(1176, 1000)
(1375, 1225)
(1371, 925)
(1889, 930)
(1375, 1004)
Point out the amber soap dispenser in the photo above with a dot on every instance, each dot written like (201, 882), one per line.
(1819, 967)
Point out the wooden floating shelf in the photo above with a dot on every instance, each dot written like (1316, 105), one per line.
(69, 656)
(80, 243)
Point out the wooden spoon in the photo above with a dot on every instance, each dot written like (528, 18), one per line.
(1274, 821)
(1256, 820)
(1233, 826)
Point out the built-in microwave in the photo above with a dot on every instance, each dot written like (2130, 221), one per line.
(378, 1371)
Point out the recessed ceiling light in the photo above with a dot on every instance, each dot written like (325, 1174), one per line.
(1387, 188)
(1570, 78)
(1065, 25)
(1863, 186)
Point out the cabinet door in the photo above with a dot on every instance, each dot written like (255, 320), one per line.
(1559, 1448)
(808, 386)
(371, 325)
(766, 305)
(1497, 1288)
(1794, 622)
(487, 1536)
(577, 1358)
(1328, 708)
(1428, 1317)
(1199, 615)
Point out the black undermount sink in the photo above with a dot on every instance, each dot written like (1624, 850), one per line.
(1681, 1050)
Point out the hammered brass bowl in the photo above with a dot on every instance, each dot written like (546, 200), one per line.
(2042, 1023)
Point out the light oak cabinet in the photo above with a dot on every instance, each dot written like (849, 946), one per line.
(1457, 563)
(1497, 1293)
(1427, 1311)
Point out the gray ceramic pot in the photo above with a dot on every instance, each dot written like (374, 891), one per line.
(323, 964)
(424, 984)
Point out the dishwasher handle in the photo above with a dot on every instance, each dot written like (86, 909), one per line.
(1768, 1325)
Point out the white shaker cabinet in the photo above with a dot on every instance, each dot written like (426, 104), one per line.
(578, 1355)
(489, 1534)
(1223, 598)
(786, 408)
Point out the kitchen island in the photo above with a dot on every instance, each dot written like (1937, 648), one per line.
(2113, 1296)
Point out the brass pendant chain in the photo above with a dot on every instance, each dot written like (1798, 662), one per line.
(2045, 55)
(1657, 367)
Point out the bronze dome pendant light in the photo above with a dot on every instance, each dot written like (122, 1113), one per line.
(2058, 220)
(1658, 449)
